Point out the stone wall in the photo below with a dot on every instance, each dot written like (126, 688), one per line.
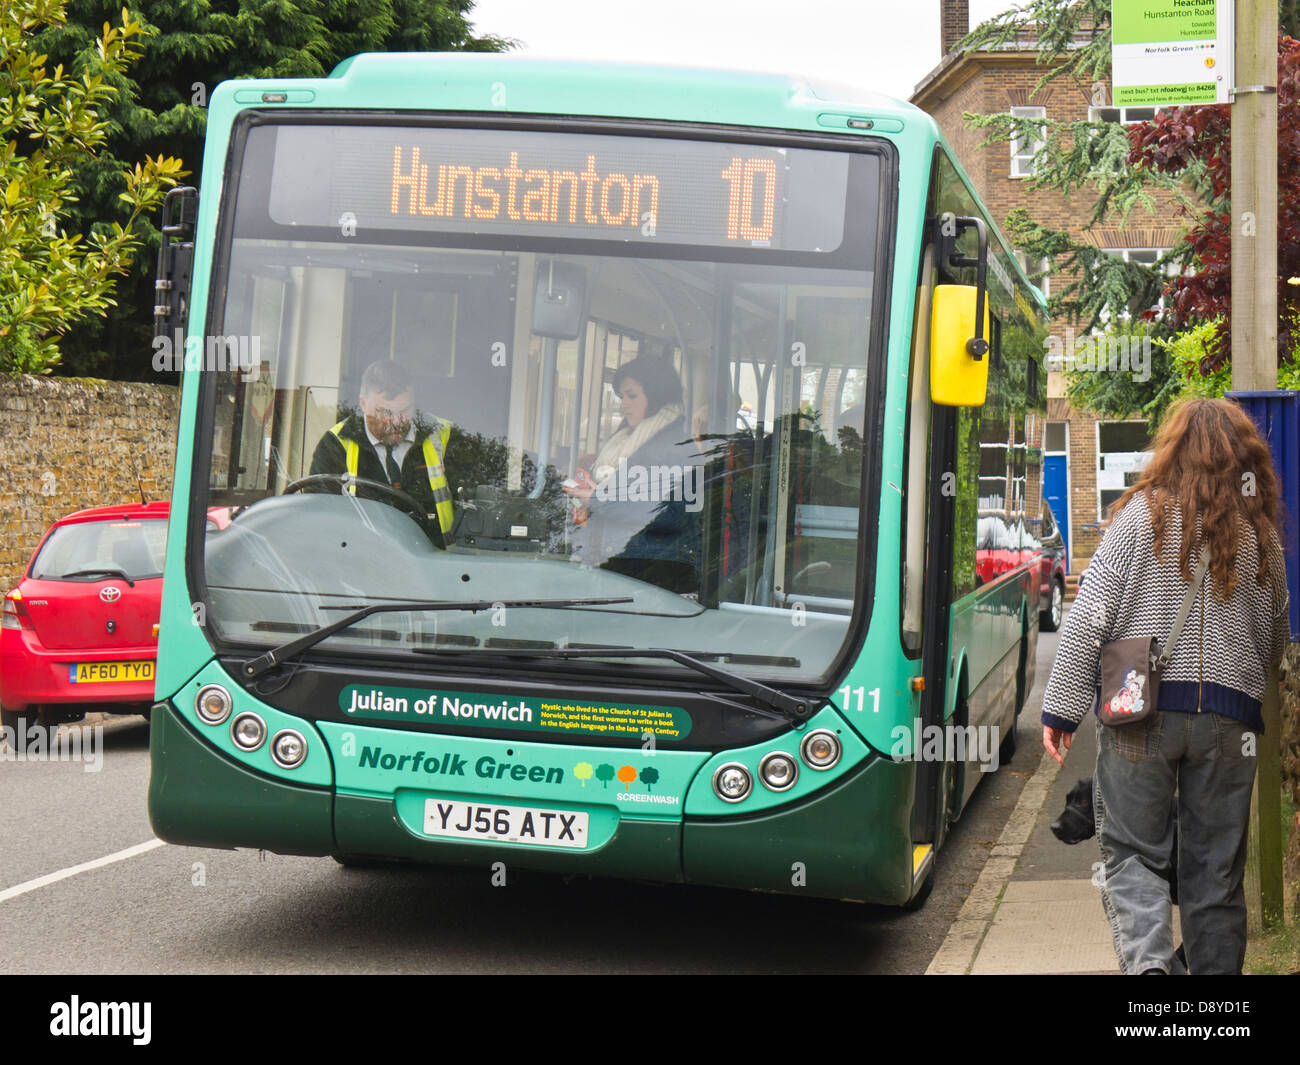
(71, 443)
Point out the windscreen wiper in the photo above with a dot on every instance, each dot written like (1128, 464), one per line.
(255, 667)
(112, 571)
(787, 707)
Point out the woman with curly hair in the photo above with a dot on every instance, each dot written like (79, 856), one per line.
(1208, 488)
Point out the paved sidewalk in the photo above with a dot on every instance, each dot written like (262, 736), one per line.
(1034, 908)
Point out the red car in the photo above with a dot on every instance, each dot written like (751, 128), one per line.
(81, 629)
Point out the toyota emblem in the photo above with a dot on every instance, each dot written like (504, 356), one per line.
(110, 595)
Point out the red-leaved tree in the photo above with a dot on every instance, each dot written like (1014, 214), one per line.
(1182, 137)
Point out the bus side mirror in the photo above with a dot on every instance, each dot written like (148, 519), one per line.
(958, 378)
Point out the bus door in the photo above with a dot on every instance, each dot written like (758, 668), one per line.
(927, 562)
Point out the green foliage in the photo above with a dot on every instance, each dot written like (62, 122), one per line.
(161, 108)
(50, 129)
(1089, 286)
(1146, 388)
(1072, 39)
(1188, 352)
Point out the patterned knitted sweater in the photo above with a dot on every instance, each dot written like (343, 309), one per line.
(1222, 658)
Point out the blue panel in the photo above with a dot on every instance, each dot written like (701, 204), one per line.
(1277, 414)
(1055, 494)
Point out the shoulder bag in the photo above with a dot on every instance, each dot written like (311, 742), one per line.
(1131, 668)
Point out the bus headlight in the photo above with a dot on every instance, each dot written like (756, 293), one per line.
(213, 704)
(732, 782)
(820, 749)
(289, 749)
(248, 732)
(778, 771)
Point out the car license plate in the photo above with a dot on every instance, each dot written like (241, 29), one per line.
(108, 672)
(506, 824)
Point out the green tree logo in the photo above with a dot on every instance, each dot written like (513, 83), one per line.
(649, 776)
(583, 772)
(605, 773)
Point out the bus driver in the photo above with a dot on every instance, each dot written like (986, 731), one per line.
(389, 443)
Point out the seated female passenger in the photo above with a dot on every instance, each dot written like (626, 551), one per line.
(642, 498)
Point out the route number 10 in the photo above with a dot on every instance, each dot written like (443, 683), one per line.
(741, 175)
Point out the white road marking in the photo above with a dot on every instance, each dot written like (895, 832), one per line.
(84, 867)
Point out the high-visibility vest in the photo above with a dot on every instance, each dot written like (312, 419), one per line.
(435, 446)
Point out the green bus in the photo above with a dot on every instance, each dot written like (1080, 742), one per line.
(607, 469)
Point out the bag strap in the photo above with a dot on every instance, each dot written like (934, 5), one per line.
(1186, 609)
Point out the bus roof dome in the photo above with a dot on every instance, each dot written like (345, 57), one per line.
(598, 86)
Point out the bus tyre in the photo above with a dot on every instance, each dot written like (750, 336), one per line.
(1050, 619)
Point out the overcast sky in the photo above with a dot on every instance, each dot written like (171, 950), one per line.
(886, 45)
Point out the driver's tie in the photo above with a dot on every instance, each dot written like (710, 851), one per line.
(390, 464)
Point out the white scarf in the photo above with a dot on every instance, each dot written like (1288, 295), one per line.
(627, 442)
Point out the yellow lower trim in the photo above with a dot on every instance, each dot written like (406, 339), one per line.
(919, 854)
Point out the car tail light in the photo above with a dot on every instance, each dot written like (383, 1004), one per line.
(15, 612)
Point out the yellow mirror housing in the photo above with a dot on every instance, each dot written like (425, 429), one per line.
(957, 378)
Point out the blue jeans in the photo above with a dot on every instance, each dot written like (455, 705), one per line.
(1210, 760)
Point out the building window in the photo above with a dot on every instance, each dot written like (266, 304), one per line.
(1147, 257)
(1054, 438)
(1023, 147)
(1038, 271)
(1124, 115)
(1122, 455)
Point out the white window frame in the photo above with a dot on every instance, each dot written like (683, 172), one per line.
(1125, 114)
(1022, 155)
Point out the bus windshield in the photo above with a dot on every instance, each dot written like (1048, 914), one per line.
(512, 364)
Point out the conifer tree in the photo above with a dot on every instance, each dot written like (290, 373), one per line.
(1118, 168)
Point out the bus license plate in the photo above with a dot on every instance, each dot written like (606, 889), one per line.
(506, 824)
(108, 672)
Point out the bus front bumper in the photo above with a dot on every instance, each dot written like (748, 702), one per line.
(850, 841)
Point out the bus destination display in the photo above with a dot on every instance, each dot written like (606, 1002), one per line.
(638, 189)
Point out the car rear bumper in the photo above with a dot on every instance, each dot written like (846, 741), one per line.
(30, 675)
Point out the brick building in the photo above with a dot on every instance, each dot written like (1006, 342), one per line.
(1087, 462)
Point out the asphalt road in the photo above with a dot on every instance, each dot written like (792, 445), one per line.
(171, 909)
